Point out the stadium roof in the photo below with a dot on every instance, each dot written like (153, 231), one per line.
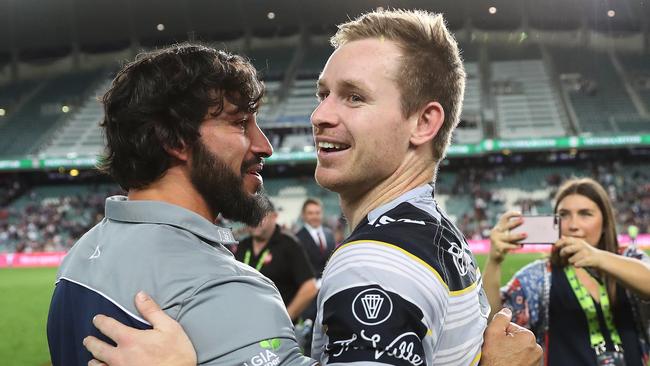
(36, 29)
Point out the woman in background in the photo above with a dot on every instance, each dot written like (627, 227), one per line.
(586, 303)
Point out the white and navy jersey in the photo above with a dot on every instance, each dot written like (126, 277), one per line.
(403, 289)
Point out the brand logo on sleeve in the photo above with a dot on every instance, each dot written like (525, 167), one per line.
(372, 306)
(462, 260)
(266, 357)
(96, 253)
(385, 220)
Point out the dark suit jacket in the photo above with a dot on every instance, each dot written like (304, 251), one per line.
(317, 259)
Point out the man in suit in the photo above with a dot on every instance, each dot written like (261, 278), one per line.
(319, 243)
(317, 239)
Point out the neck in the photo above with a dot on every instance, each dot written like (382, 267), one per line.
(411, 174)
(174, 187)
(259, 244)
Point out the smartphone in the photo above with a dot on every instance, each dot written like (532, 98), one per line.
(540, 229)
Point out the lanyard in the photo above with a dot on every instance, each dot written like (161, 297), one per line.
(587, 305)
(260, 262)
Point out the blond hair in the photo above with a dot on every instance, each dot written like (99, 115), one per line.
(431, 67)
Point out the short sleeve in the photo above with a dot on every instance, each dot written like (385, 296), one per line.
(369, 323)
(634, 252)
(240, 321)
(385, 309)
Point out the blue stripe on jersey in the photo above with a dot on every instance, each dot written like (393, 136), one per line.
(70, 321)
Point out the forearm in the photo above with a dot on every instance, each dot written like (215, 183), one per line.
(303, 297)
(491, 285)
(631, 273)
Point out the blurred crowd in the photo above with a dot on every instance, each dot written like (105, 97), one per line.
(37, 224)
(30, 222)
(628, 187)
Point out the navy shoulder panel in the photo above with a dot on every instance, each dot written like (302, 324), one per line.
(70, 320)
(437, 242)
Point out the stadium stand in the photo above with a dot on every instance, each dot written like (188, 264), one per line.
(637, 67)
(525, 103)
(24, 130)
(597, 93)
(470, 130)
(80, 134)
(522, 94)
(272, 62)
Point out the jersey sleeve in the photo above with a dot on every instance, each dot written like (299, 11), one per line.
(382, 310)
(241, 321)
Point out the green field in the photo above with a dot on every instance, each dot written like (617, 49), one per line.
(25, 297)
(24, 300)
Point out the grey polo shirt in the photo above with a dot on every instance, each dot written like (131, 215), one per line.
(232, 314)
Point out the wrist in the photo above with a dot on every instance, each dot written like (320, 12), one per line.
(602, 259)
(495, 259)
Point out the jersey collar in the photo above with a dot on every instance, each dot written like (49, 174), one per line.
(120, 208)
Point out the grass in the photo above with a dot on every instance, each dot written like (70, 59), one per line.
(25, 297)
(24, 300)
(511, 264)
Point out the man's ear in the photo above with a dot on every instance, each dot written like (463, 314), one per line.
(181, 153)
(430, 119)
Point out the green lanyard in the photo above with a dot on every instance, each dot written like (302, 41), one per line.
(260, 262)
(588, 306)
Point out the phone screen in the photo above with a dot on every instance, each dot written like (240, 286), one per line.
(540, 229)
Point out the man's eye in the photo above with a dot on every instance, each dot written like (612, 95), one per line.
(355, 98)
(321, 96)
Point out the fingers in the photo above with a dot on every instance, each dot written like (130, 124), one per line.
(514, 238)
(505, 222)
(514, 222)
(501, 319)
(111, 328)
(504, 248)
(569, 250)
(99, 349)
(151, 311)
(513, 328)
(94, 362)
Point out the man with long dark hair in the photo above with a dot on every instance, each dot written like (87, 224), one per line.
(183, 141)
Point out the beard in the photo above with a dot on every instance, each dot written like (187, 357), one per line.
(223, 190)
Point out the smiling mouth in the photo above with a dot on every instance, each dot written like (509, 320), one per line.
(331, 146)
(255, 170)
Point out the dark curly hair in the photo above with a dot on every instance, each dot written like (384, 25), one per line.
(159, 101)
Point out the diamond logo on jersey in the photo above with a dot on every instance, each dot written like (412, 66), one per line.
(372, 306)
